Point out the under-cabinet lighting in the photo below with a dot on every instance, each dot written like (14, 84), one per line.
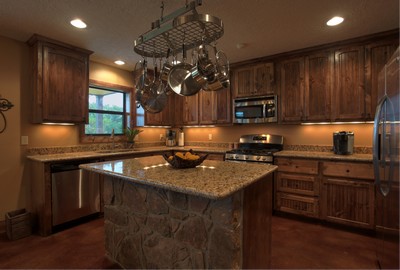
(119, 62)
(157, 126)
(339, 123)
(58, 124)
(200, 126)
(335, 21)
(78, 23)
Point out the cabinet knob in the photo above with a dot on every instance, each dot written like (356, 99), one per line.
(347, 170)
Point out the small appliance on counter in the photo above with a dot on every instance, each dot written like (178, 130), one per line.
(170, 137)
(181, 137)
(343, 142)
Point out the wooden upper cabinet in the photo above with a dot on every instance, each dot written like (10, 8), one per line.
(190, 110)
(318, 86)
(163, 118)
(292, 90)
(349, 94)
(254, 80)
(215, 107)
(61, 81)
(377, 55)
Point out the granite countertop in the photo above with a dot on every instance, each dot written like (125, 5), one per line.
(325, 156)
(212, 179)
(119, 152)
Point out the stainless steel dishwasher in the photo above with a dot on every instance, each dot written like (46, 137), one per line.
(75, 193)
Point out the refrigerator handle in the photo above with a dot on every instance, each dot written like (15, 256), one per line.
(375, 141)
(380, 149)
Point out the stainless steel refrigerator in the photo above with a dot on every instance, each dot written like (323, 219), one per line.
(386, 160)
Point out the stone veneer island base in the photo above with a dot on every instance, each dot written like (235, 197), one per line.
(219, 217)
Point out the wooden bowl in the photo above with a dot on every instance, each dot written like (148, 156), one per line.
(180, 163)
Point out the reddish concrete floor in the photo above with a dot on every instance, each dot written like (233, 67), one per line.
(295, 245)
(308, 245)
(81, 247)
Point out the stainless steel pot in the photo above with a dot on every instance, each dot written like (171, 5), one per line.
(181, 79)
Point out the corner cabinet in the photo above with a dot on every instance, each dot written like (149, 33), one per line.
(254, 80)
(61, 81)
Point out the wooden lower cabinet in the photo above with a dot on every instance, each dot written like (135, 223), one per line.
(348, 202)
(338, 192)
(297, 187)
(348, 194)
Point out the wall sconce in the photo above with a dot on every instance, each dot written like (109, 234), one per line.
(5, 105)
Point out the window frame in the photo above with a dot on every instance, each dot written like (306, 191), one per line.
(95, 138)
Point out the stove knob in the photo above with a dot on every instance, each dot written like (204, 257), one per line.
(258, 158)
(236, 157)
(247, 158)
(264, 159)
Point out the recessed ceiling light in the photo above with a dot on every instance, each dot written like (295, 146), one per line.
(119, 62)
(335, 21)
(78, 23)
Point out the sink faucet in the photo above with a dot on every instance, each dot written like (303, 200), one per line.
(112, 139)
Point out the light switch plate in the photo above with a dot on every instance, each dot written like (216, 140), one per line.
(210, 137)
(24, 140)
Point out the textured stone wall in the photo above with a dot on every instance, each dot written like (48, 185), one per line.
(148, 227)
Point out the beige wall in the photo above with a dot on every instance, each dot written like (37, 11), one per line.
(15, 85)
(13, 79)
(293, 134)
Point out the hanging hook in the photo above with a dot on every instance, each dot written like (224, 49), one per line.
(162, 10)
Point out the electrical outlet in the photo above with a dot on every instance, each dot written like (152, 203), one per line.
(24, 140)
(161, 136)
(210, 137)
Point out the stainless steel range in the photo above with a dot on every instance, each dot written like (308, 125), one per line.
(256, 148)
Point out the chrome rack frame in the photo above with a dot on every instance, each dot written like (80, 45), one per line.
(176, 29)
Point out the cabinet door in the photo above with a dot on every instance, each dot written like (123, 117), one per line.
(377, 55)
(207, 106)
(263, 79)
(191, 110)
(244, 83)
(348, 201)
(65, 85)
(318, 86)
(292, 90)
(223, 104)
(163, 118)
(349, 97)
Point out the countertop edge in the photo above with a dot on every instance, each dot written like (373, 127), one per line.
(185, 190)
(324, 156)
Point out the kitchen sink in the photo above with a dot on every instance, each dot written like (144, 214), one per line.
(115, 151)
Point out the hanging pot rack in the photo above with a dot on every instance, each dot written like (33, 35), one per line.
(171, 31)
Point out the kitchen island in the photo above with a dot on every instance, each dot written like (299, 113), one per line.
(217, 215)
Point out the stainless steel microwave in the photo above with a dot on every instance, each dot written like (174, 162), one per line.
(255, 110)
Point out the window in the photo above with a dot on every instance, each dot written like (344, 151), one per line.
(139, 116)
(108, 109)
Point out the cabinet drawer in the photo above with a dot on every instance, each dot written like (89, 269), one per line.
(297, 165)
(306, 206)
(300, 184)
(349, 170)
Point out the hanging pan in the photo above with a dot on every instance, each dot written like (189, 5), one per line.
(180, 78)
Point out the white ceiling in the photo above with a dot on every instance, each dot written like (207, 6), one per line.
(267, 27)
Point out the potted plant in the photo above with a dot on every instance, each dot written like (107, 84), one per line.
(130, 134)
